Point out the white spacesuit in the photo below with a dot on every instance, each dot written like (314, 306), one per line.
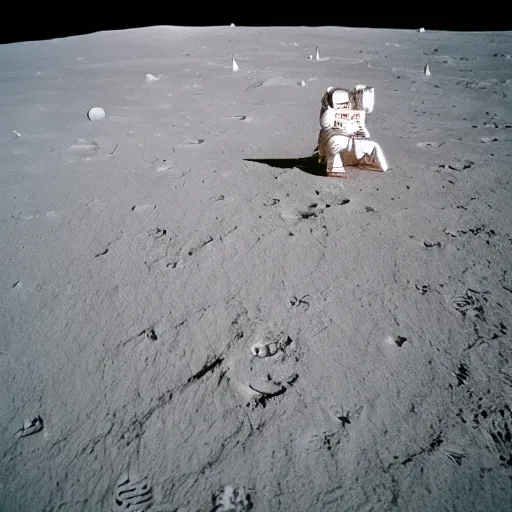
(344, 138)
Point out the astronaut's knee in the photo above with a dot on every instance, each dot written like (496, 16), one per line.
(363, 147)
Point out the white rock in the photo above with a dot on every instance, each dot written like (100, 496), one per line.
(421, 29)
(301, 83)
(96, 113)
(232, 24)
(317, 54)
(427, 70)
(310, 57)
(234, 64)
(152, 78)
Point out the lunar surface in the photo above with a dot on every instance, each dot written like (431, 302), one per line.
(196, 318)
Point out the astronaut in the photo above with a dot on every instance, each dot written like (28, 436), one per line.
(344, 138)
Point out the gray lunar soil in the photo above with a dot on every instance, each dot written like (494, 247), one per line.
(195, 319)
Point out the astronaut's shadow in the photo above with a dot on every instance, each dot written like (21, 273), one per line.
(308, 164)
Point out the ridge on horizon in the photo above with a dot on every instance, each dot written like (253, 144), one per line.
(49, 27)
(20, 36)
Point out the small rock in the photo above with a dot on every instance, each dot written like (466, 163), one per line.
(152, 78)
(31, 427)
(400, 340)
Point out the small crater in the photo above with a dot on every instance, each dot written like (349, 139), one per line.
(458, 166)
(461, 166)
(275, 81)
(84, 148)
(316, 209)
(157, 233)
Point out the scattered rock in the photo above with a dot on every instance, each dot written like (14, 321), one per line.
(31, 427)
(400, 340)
(152, 78)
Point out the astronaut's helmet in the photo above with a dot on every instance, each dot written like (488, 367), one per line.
(339, 98)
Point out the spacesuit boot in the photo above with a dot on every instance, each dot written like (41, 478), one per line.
(335, 166)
